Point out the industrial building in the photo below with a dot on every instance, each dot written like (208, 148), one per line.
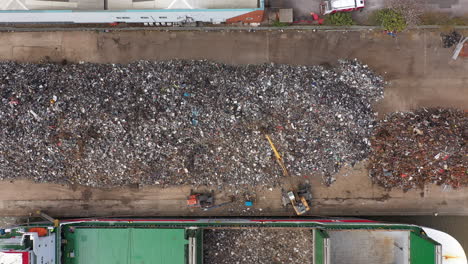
(152, 12)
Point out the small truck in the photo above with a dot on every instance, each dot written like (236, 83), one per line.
(333, 6)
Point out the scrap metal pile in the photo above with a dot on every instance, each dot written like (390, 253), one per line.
(182, 122)
(416, 148)
(450, 39)
(257, 246)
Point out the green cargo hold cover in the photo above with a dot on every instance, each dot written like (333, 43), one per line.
(129, 246)
(423, 249)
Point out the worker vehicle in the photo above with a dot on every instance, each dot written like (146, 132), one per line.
(201, 200)
(333, 6)
(299, 200)
(205, 201)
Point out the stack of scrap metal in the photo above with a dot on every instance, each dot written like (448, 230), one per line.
(416, 148)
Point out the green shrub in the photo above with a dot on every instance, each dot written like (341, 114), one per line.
(340, 19)
(391, 20)
(411, 10)
(276, 23)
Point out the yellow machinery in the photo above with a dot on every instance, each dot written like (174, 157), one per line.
(279, 159)
(298, 199)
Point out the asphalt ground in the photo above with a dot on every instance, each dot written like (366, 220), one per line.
(418, 70)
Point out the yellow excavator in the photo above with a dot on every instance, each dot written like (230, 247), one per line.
(300, 198)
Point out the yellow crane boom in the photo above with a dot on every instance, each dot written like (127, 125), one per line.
(279, 159)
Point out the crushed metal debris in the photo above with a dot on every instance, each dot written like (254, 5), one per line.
(182, 122)
(257, 246)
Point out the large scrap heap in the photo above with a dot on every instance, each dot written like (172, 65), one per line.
(201, 123)
(182, 122)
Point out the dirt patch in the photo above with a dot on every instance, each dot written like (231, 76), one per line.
(86, 194)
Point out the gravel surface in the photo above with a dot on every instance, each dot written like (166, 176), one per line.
(257, 246)
(182, 122)
(417, 148)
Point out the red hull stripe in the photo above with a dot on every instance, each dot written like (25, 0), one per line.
(320, 221)
(214, 220)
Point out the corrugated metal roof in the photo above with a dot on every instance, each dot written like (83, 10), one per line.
(125, 4)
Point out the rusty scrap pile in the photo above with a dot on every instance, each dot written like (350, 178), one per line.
(416, 148)
(257, 246)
